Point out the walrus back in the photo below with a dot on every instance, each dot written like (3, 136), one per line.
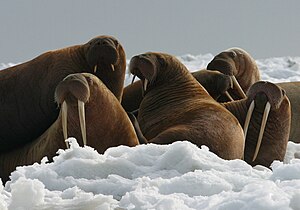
(20, 101)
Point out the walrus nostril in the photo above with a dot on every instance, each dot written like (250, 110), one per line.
(142, 56)
(102, 42)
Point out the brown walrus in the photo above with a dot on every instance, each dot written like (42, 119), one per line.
(215, 82)
(267, 131)
(27, 90)
(237, 63)
(176, 107)
(106, 124)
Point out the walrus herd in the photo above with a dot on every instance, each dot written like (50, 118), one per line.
(79, 92)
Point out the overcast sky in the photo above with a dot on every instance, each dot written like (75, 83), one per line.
(264, 28)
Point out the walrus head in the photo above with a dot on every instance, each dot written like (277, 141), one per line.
(73, 90)
(150, 68)
(102, 52)
(263, 97)
(266, 91)
(105, 58)
(225, 62)
(229, 62)
(215, 82)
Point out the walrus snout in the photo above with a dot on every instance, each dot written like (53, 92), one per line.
(74, 87)
(224, 82)
(143, 66)
(222, 66)
(272, 93)
(215, 82)
(102, 53)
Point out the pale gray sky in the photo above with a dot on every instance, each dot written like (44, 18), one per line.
(264, 28)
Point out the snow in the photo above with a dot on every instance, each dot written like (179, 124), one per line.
(176, 176)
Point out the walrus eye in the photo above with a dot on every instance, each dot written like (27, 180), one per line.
(161, 61)
(232, 54)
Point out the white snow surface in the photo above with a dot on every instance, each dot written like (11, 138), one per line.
(167, 177)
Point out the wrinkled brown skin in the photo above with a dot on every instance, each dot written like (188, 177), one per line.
(107, 123)
(236, 62)
(274, 142)
(27, 90)
(214, 82)
(132, 96)
(176, 108)
(292, 90)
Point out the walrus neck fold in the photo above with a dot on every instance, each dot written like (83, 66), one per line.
(78, 57)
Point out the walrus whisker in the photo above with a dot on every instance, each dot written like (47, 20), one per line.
(113, 67)
(95, 68)
(64, 116)
(238, 87)
(262, 129)
(81, 111)
(248, 117)
(229, 96)
(145, 84)
(133, 79)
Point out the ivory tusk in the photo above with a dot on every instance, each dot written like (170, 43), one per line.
(238, 87)
(95, 68)
(82, 121)
(145, 85)
(112, 67)
(228, 96)
(133, 79)
(262, 129)
(246, 124)
(64, 116)
(231, 83)
(248, 117)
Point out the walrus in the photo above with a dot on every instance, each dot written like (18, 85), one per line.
(267, 131)
(216, 83)
(176, 107)
(239, 64)
(26, 90)
(89, 112)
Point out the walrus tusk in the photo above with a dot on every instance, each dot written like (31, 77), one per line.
(112, 67)
(64, 116)
(95, 68)
(82, 121)
(231, 83)
(133, 79)
(248, 117)
(145, 85)
(262, 129)
(238, 87)
(229, 96)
